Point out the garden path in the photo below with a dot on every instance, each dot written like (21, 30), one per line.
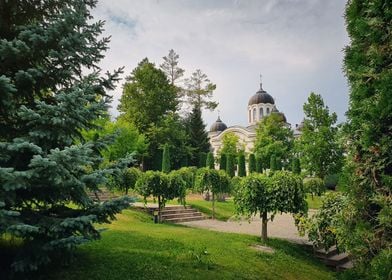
(282, 226)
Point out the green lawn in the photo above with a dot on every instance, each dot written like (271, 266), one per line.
(135, 248)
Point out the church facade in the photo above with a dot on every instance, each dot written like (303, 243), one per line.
(260, 105)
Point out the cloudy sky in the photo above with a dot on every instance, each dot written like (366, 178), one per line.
(297, 45)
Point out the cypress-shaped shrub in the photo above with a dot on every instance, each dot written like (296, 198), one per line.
(166, 159)
(230, 165)
(252, 164)
(210, 163)
(259, 165)
(222, 162)
(241, 166)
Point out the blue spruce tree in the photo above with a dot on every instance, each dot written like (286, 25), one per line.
(51, 89)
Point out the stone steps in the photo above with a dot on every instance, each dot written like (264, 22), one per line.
(178, 214)
(333, 259)
(166, 216)
(101, 196)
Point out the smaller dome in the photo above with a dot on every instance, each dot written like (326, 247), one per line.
(261, 96)
(218, 126)
(301, 126)
(276, 111)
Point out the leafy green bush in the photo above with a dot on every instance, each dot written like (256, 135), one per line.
(322, 226)
(314, 186)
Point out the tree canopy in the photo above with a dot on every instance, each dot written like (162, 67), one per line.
(170, 67)
(199, 91)
(319, 148)
(147, 96)
(273, 138)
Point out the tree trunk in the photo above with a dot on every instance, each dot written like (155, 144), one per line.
(159, 209)
(213, 206)
(264, 221)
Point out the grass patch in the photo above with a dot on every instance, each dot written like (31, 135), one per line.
(135, 248)
(313, 203)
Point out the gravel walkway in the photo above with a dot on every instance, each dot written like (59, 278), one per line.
(282, 227)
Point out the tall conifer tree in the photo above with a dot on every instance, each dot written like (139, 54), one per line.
(198, 137)
(48, 95)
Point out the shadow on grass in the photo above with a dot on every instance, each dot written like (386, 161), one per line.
(140, 257)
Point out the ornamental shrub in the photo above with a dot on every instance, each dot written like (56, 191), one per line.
(322, 227)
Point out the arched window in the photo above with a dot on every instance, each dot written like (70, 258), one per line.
(254, 114)
(268, 111)
(261, 113)
(250, 116)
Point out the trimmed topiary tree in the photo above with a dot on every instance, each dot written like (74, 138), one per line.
(214, 181)
(259, 193)
(166, 159)
(252, 164)
(241, 166)
(156, 184)
(210, 163)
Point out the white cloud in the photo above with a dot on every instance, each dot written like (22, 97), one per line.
(296, 45)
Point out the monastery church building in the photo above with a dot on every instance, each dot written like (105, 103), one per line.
(260, 105)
